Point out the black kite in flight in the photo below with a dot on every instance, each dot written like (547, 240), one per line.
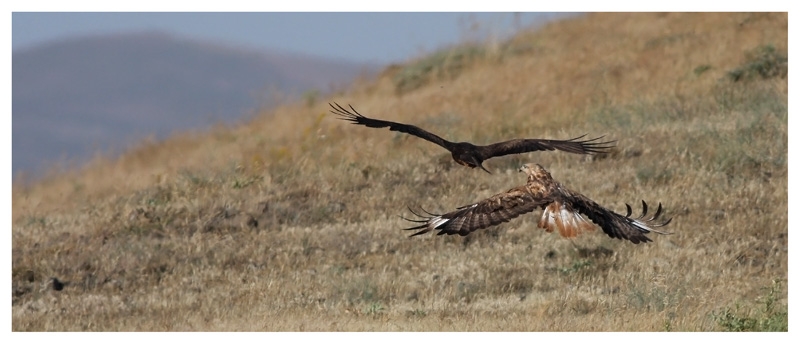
(468, 154)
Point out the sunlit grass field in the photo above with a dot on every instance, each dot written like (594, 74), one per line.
(290, 222)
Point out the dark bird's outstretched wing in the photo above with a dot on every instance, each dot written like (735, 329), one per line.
(358, 118)
(575, 145)
(489, 212)
(619, 226)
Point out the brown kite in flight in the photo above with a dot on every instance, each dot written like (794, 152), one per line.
(564, 210)
(468, 154)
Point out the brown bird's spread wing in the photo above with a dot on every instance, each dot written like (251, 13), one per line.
(357, 118)
(489, 212)
(564, 211)
(616, 225)
(575, 145)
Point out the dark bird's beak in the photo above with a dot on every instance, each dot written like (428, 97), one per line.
(484, 168)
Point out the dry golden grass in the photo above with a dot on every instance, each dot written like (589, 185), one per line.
(290, 222)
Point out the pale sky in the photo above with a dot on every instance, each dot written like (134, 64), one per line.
(380, 38)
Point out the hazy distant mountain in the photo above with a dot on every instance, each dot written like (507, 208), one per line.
(73, 98)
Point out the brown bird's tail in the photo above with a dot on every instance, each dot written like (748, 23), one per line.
(568, 222)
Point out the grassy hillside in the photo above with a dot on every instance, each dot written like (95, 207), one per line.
(290, 222)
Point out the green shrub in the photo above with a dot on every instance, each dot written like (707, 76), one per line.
(766, 319)
(763, 61)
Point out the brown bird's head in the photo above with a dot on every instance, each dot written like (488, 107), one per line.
(535, 172)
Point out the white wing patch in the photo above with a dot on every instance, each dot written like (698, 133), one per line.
(436, 222)
(644, 228)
